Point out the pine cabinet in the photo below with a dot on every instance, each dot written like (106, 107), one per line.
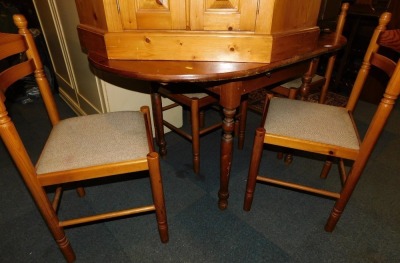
(198, 30)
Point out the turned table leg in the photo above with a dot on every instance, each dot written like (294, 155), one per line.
(230, 97)
(226, 156)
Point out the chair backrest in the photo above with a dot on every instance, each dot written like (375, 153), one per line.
(389, 39)
(331, 62)
(341, 21)
(23, 44)
(380, 37)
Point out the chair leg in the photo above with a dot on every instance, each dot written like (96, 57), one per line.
(236, 128)
(293, 93)
(9, 134)
(327, 167)
(52, 221)
(254, 168)
(242, 123)
(345, 194)
(195, 122)
(328, 76)
(80, 191)
(156, 105)
(201, 119)
(158, 195)
(288, 158)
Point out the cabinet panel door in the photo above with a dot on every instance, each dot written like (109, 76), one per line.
(152, 14)
(231, 15)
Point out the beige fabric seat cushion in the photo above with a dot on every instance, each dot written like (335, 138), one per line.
(296, 83)
(93, 140)
(311, 121)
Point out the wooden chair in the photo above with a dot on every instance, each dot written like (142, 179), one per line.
(286, 123)
(195, 102)
(291, 89)
(77, 149)
(311, 80)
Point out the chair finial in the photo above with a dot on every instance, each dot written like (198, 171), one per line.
(385, 18)
(20, 21)
(345, 7)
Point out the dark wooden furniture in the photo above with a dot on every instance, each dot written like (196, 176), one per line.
(291, 89)
(78, 149)
(362, 19)
(229, 80)
(196, 103)
(318, 81)
(286, 123)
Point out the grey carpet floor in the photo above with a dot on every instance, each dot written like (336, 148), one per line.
(283, 225)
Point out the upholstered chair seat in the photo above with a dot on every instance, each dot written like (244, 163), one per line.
(319, 123)
(101, 138)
